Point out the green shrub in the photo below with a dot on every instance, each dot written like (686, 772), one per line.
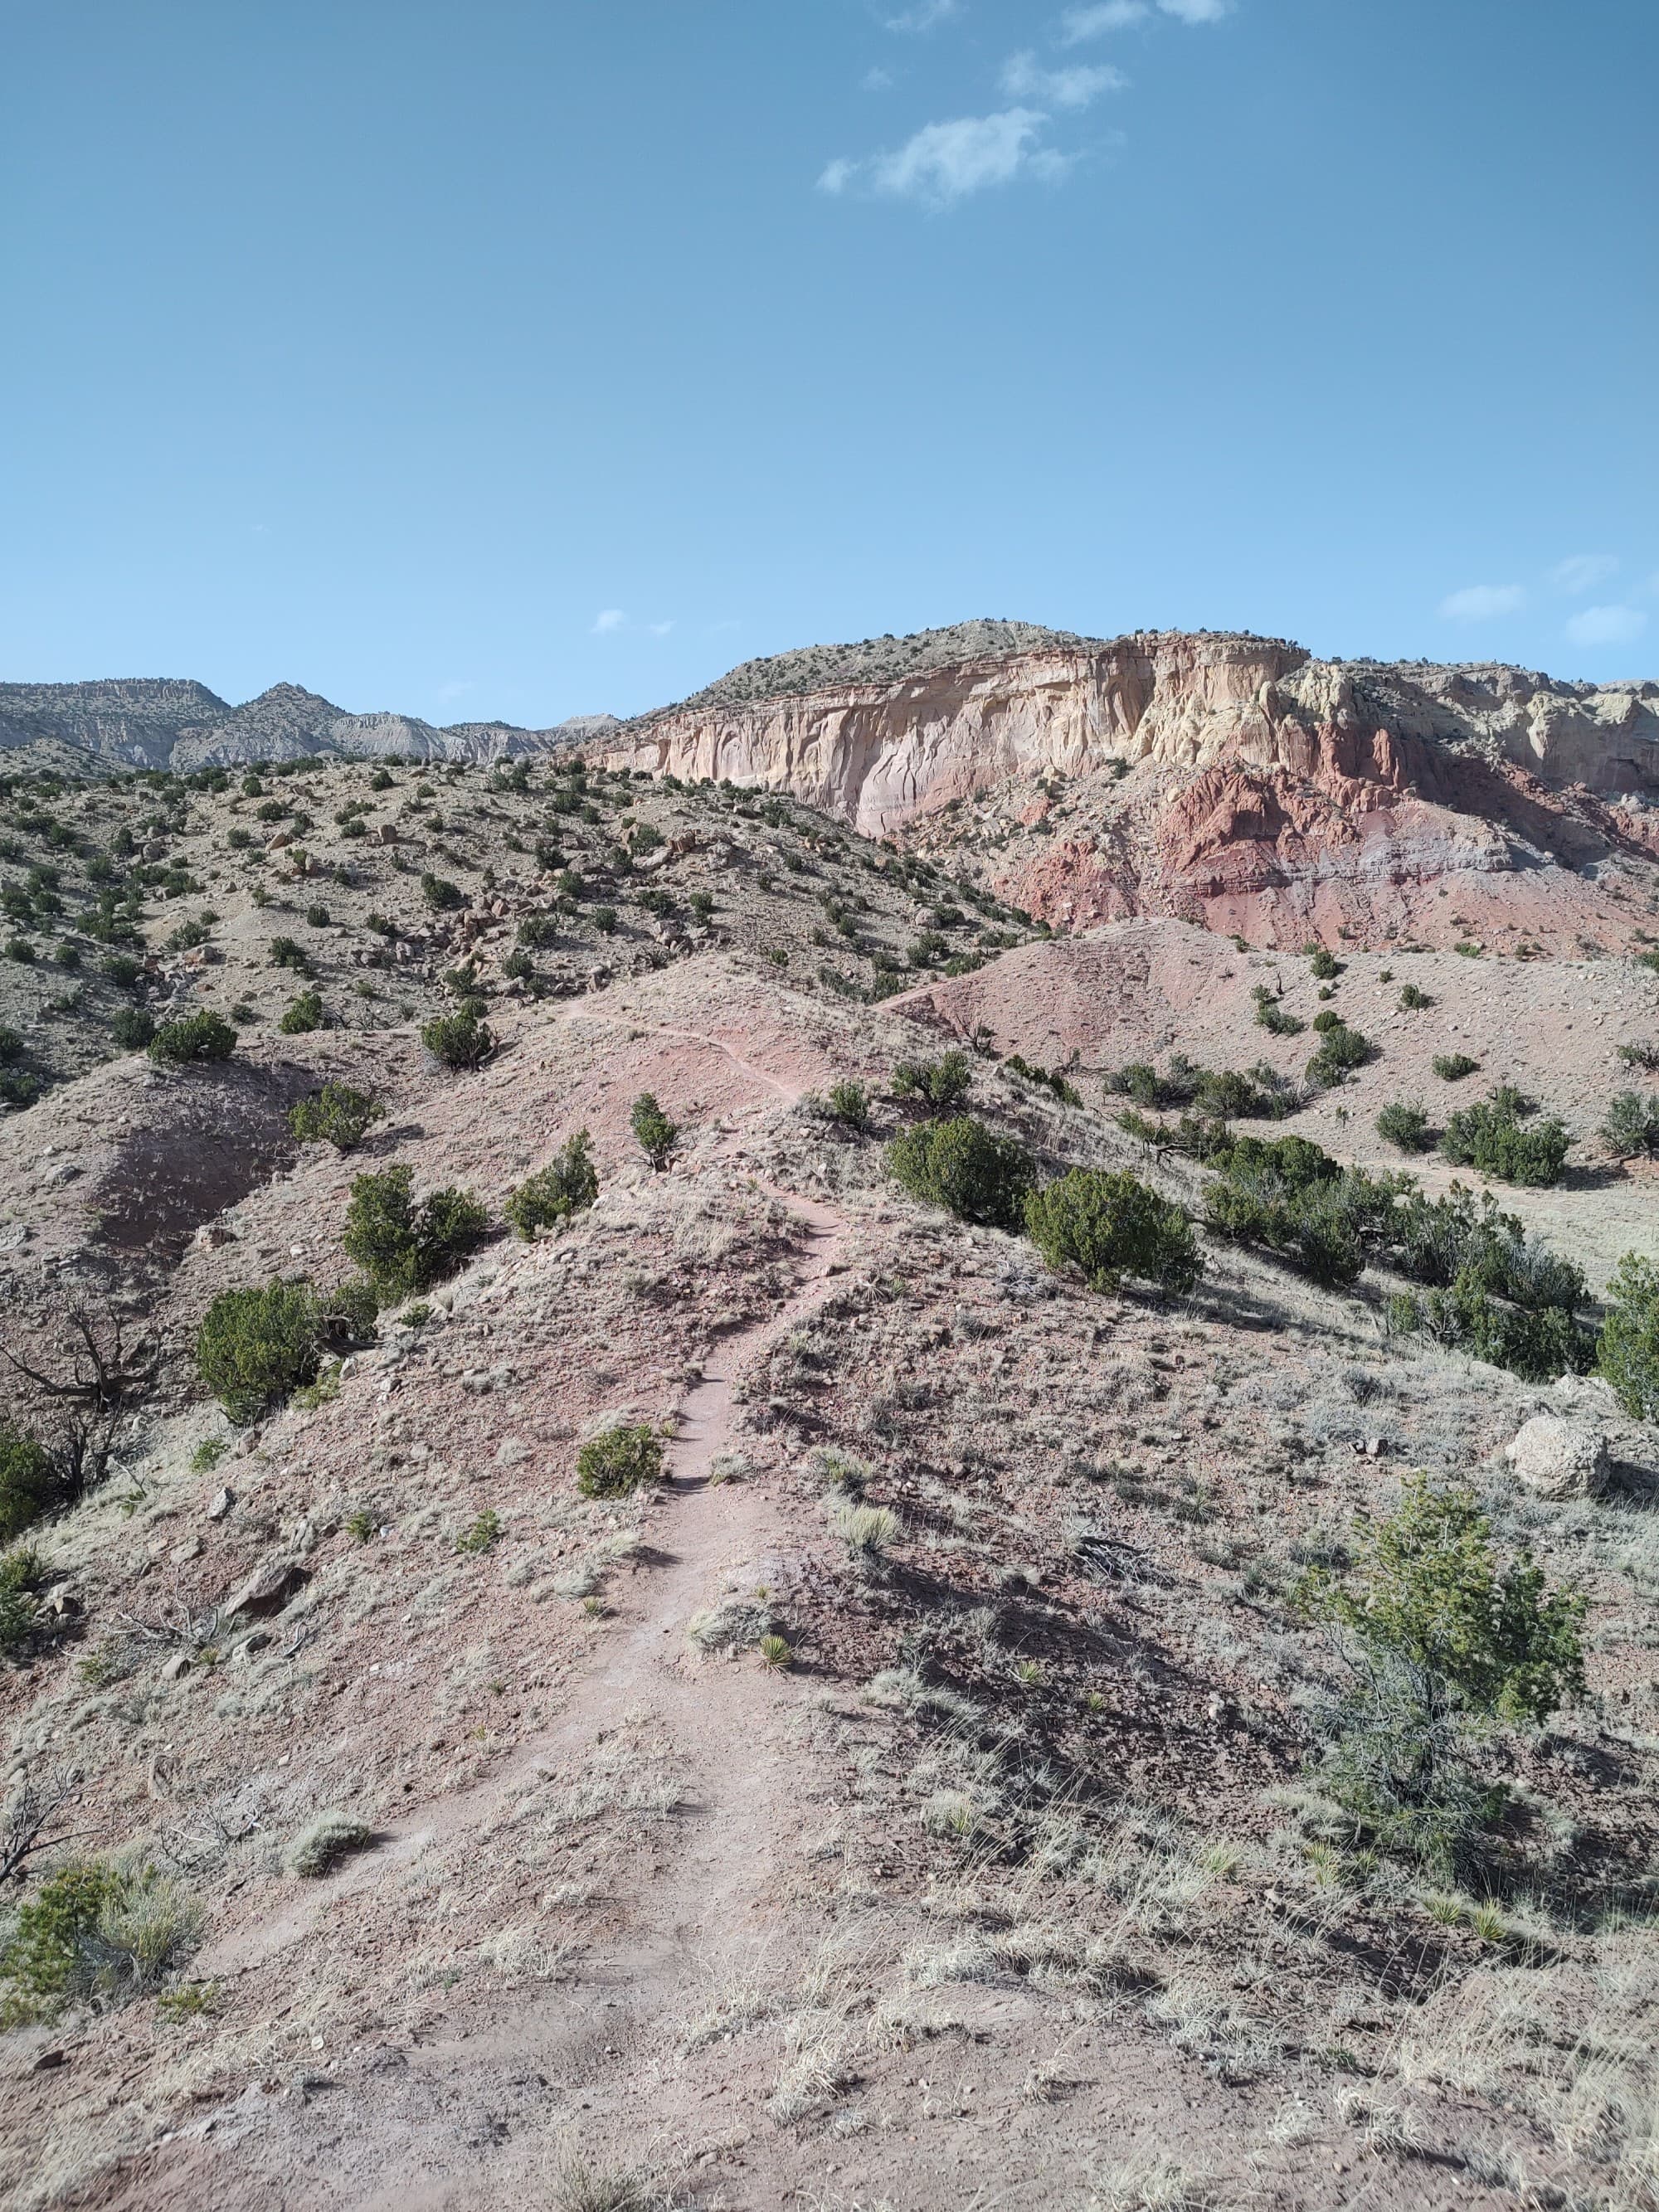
(548, 1198)
(347, 1313)
(22, 1575)
(1324, 965)
(1448, 1642)
(1452, 1067)
(198, 1038)
(1405, 1128)
(656, 1135)
(336, 1115)
(1631, 1127)
(1413, 1001)
(302, 1014)
(945, 1082)
(1049, 1078)
(458, 1041)
(317, 917)
(94, 1931)
(481, 1534)
(441, 896)
(403, 1247)
(1272, 1016)
(132, 1028)
(32, 1483)
(1496, 1139)
(963, 1165)
(288, 952)
(848, 1103)
(1340, 1050)
(254, 1347)
(619, 1460)
(1627, 1351)
(1112, 1225)
(1641, 1056)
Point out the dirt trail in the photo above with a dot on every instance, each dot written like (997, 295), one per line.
(690, 1923)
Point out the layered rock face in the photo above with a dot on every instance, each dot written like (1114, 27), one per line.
(1262, 791)
(881, 755)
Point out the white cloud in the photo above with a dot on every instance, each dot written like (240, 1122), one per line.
(1078, 24)
(1196, 11)
(660, 629)
(946, 162)
(1024, 78)
(878, 80)
(608, 619)
(1483, 603)
(1584, 572)
(1607, 625)
(922, 17)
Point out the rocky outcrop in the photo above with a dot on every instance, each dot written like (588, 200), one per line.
(1556, 1457)
(1268, 792)
(882, 755)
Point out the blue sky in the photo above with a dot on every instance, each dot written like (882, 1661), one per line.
(519, 360)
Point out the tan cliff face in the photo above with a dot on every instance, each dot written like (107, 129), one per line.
(1239, 782)
(880, 755)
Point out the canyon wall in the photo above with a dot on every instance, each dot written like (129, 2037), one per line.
(880, 756)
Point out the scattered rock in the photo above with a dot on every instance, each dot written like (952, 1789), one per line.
(1555, 1457)
(221, 1503)
(268, 1589)
(177, 1667)
(182, 1554)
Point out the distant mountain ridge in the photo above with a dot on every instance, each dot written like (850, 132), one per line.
(161, 722)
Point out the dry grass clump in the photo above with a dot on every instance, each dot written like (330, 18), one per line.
(739, 1626)
(323, 1843)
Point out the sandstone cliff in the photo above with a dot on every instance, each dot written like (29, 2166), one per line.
(1229, 780)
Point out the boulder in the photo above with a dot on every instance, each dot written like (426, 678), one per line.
(1555, 1457)
(268, 1590)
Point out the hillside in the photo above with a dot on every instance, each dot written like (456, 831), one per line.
(151, 724)
(934, 1780)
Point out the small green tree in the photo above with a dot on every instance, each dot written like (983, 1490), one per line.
(254, 1347)
(1627, 1351)
(619, 1460)
(31, 1484)
(1413, 1000)
(656, 1134)
(1444, 1643)
(336, 1115)
(1632, 1128)
(441, 894)
(196, 1038)
(1497, 1138)
(963, 1165)
(1340, 1048)
(1325, 965)
(1405, 1128)
(848, 1103)
(548, 1198)
(1112, 1225)
(1452, 1067)
(403, 1247)
(945, 1082)
(302, 1014)
(458, 1041)
(132, 1028)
